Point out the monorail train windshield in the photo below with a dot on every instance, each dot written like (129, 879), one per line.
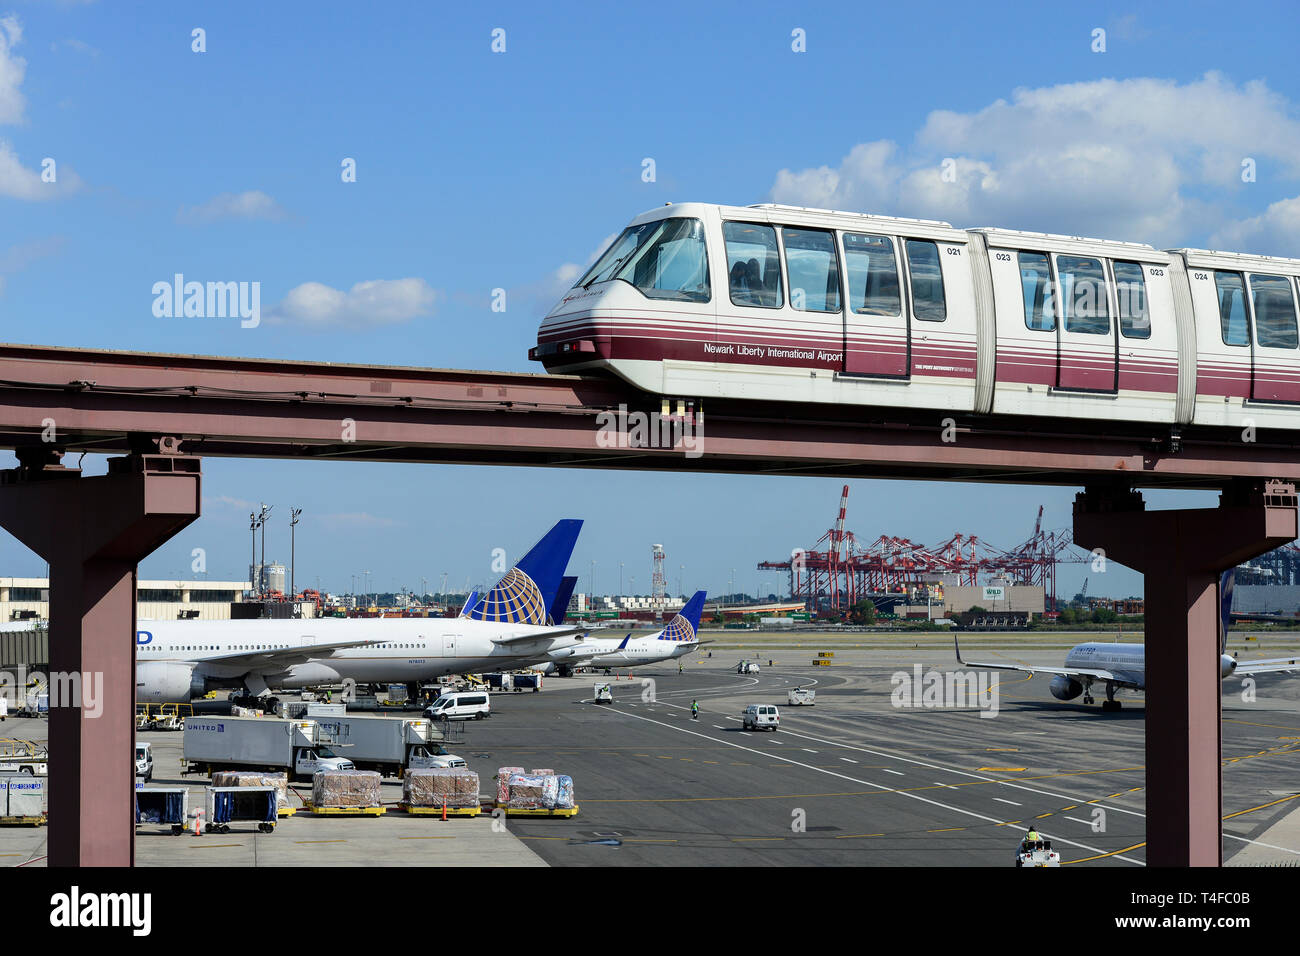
(664, 259)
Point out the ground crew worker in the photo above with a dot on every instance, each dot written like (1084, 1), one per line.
(680, 669)
(1032, 836)
(695, 710)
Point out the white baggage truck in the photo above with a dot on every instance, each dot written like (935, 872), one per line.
(389, 745)
(299, 747)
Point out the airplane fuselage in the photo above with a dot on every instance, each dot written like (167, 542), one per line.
(409, 649)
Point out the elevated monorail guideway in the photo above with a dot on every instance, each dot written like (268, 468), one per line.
(78, 400)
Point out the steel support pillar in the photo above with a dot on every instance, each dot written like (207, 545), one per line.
(93, 532)
(1182, 554)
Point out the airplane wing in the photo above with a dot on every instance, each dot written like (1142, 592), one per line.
(285, 656)
(1089, 673)
(546, 634)
(1248, 668)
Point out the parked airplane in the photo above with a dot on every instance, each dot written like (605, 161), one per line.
(510, 624)
(677, 639)
(1116, 666)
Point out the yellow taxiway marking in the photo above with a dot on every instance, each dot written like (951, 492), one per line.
(1001, 749)
(856, 836)
(1102, 856)
(24, 854)
(1238, 720)
(1003, 769)
(1262, 806)
(709, 761)
(946, 830)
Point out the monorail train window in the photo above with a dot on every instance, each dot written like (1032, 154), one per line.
(1274, 312)
(1083, 293)
(872, 272)
(753, 264)
(1036, 288)
(1131, 291)
(923, 267)
(1233, 323)
(664, 259)
(813, 270)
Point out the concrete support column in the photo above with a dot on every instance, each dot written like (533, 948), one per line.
(1182, 554)
(93, 532)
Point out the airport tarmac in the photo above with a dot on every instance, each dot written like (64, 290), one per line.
(853, 780)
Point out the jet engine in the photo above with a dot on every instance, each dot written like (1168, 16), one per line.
(1065, 688)
(167, 682)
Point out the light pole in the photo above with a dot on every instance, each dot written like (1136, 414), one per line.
(366, 584)
(681, 568)
(252, 560)
(593, 580)
(261, 523)
(731, 588)
(620, 579)
(293, 525)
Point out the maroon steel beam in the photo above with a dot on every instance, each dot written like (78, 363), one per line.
(1182, 554)
(96, 400)
(93, 532)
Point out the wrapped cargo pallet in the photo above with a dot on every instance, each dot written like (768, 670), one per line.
(503, 784)
(456, 788)
(248, 778)
(525, 792)
(345, 788)
(564, 793)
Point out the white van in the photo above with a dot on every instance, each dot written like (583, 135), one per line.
(760, 717)
(144, 761)
(471, 705)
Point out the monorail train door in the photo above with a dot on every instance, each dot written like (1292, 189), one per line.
(1086, 339)
(1275, 349)
(877, 337)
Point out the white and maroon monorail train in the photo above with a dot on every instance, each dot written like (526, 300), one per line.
(782, 303)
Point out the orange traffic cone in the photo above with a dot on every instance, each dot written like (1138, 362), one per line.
(444, 809)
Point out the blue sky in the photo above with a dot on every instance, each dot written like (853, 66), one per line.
(479, 170)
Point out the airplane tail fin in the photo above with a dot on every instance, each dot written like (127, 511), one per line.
(469, 603)
(528, 591)
(560, 606)
(686, 624)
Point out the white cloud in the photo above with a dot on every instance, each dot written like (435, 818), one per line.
(228, 501)
(252, 204)
(356, 519)
(19, 182)
(1124, 159)
(16, 181)
(371, 303)
(1276, 231)
(12, 69)
(542, 295)
(72, 43)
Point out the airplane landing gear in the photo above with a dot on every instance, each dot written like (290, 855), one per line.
(1110, 703)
